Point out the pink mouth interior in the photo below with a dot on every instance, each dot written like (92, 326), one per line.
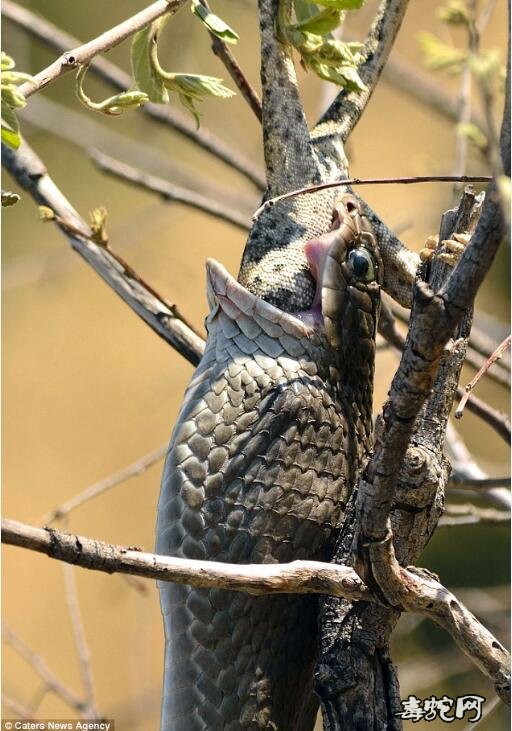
(316, 253)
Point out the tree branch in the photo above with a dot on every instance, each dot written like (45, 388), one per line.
(83, 54)
(167, 191)
(58, 39)
(30, 173)
(300, 577)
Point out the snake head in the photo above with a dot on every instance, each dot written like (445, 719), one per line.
(348, 271)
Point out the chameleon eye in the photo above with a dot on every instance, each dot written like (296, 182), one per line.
(361, 264)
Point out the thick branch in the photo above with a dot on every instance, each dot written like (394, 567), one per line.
(164, 318)
(300, 577)
(58, 39)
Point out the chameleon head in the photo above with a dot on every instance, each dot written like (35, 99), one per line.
(348, 271)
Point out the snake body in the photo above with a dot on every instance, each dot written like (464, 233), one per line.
(261, 463)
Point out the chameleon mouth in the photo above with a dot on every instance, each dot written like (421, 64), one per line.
(316, 254)
(224, 292)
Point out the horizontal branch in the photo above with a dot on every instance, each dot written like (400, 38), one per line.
(164, 318)
(298, 577)
(56, 38)
(407, 180)
(84, 53)
(167, 191)
(456, 515)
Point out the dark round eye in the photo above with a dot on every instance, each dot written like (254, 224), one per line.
(361, 262)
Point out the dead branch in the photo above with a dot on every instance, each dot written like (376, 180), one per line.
(430, 598)
(29, 171)
(468, 514)
(167, 191)
(496, 419)
(54, 37)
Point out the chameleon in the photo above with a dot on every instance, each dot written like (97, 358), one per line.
(276, 421)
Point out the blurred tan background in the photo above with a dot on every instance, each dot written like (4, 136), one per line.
(88, 388)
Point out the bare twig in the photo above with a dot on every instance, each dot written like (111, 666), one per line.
(166, 190)
(38, 664)
(245, 87)
(484, 369)
(85, 53)
(462, 481)
(19, 709)
(84, 657)
(428, 596)
(407, 180)
(468, 514)
(58, 39)
(163, 318)
(464, 466)
(133, 470)
(496, 419)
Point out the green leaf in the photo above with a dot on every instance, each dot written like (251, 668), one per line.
(214, 24)
(113, 105)
(440, 56)
(143, 71)
(304, 9)
(339, 4)
(7, 62)
(473, 133)
(10, 127)
(486, 65)
(12, 97)
(321, 23)
(344, 76)
(9, 199)
(455, 12)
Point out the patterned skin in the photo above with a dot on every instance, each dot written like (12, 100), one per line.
(262, 460)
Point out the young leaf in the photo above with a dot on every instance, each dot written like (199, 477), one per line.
(473, 133)
(112, 106)
(321, 23)
(144, 74)
(7, 63)
(440, 56)
(214, 24)
(455, 12)
(98, 223)
(339, 4)
(10, 127)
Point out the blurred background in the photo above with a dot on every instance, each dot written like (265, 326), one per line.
(88, 388)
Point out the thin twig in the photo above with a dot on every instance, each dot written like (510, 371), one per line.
(471, 515)
(84, 656)
(496, 419)
(38, 664)
(465, 466)
(55, 38)
(19, 709)
(84, 53)
(428, 597)
(245, 87)
(166, 190)
(471, 385)
(98, 488)
(462, 481)
(164, 318)
(407, 180)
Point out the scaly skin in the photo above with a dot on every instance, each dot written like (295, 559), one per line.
(261, 463)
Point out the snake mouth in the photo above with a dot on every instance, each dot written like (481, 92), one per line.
(235, 300)
(316, 253)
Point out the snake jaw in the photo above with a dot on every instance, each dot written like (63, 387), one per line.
(236, 301)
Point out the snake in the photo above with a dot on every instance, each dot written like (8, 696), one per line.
(262, 461)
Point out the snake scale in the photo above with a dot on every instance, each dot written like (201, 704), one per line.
(273, 427)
